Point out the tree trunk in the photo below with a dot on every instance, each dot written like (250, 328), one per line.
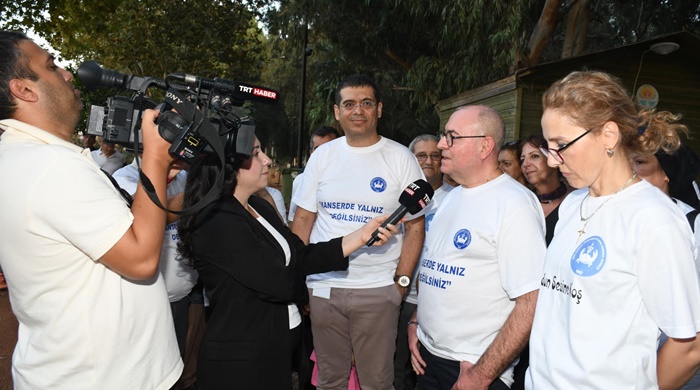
(543, 31)
(576, 29)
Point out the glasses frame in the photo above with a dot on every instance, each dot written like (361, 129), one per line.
(450, 138)
(364, 105)
(556, 153)
(428, 156)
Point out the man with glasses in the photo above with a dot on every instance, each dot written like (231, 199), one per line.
(425, 148)
(481, 268)
(346, 182)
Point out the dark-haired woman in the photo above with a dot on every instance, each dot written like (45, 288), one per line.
(550, 190)
(620, 267)
(252, 268)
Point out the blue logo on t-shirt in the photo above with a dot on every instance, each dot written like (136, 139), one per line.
(462, 239)
(428, 219)
(378, 184)
(589, 257)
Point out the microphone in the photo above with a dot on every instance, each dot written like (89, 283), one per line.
(238, 89)
(413, 199)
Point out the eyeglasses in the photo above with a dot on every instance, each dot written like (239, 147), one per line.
(556, 153)
(450, 137)
(421, 157)
(365, 105)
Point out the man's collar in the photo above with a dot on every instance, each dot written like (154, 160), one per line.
(40, 135)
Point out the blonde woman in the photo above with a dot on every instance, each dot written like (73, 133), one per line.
(620, 266)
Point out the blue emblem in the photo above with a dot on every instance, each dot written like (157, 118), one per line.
(589, 258)
(378, 184)
(428, 219)
(462, 239)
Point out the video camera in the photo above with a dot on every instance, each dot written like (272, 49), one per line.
(208, 116)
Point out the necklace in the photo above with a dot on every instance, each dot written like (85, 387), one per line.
(554, 195)
(585, 199)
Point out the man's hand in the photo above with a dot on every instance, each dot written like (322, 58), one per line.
(414, 346)
(154, 145)
(470, 379)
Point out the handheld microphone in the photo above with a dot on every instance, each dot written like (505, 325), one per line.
(413, 199)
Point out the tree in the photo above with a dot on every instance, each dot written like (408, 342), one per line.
(152, 38)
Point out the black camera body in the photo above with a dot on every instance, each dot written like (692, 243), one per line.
(119, 120)
(208, 113)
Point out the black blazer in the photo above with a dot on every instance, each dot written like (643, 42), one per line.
(242, 267)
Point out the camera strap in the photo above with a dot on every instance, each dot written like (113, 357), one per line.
(127, 197)
(199, 128)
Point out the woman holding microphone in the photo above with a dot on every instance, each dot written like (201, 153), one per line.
(253, 269)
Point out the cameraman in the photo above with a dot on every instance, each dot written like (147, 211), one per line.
(82, 267)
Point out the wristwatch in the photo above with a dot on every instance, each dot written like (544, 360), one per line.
(403, 280)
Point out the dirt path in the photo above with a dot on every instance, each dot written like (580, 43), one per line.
(8, 338)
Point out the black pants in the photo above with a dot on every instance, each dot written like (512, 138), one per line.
(180, 310)
(441, 374)
(404, 376)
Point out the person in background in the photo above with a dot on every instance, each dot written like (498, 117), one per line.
(620, 267)
(481, 267)
(509, 161)
(346, 182)
(674, 174)
(319, 137)
(88, 141)
(252, 267)
(425, 148)
(278, 202)
(82, 267)
(178, 275)
(546, 181)
(108, 158)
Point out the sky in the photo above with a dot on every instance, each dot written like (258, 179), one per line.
(42, 42)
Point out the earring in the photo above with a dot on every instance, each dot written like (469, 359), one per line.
(610, 152)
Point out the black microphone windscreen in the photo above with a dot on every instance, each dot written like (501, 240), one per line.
(416, 196)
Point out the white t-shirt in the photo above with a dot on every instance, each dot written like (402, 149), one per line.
(292, 205)
(604, 296)
(485, 247)
(178, 275)
(81, 325)
(108, 164)
(346, 187)
(279, 202)
(438, 196)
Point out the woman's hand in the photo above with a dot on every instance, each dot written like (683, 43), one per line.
(359, 238)
(384, 233)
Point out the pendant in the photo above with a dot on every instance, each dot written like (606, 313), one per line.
(582, 231)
